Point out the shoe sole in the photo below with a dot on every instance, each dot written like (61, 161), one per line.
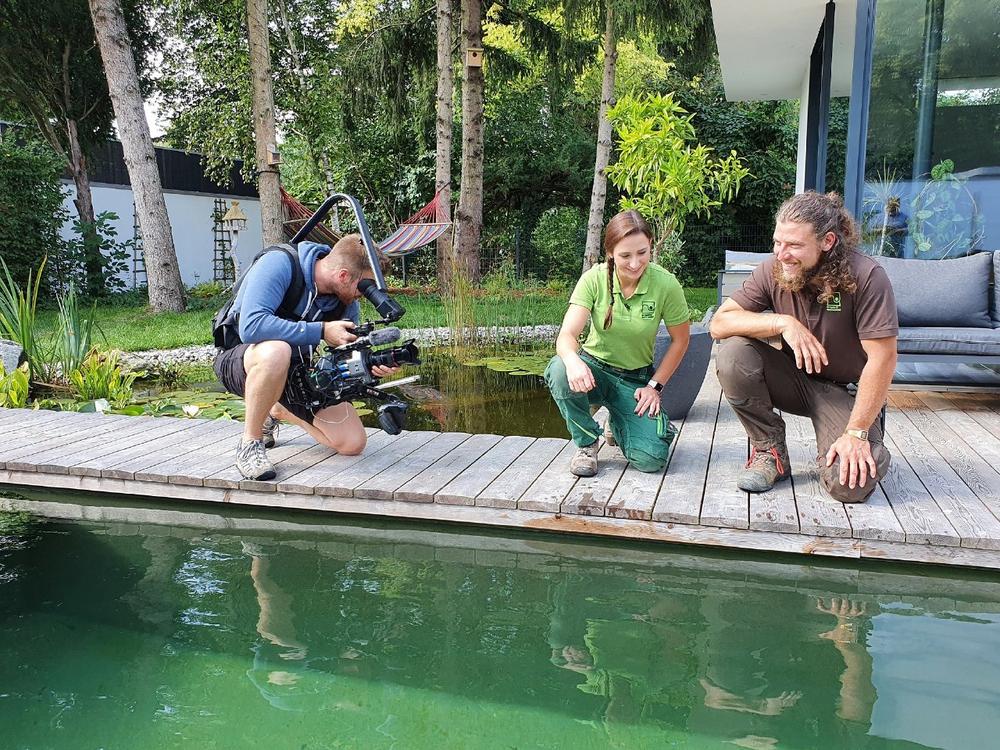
(780, 478)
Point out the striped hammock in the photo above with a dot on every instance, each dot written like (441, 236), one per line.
(423, 228)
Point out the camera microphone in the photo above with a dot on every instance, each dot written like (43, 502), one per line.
(384, 336)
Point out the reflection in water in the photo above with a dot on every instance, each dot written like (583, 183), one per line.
(121, 635)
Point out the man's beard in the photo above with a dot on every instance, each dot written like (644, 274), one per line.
(798, 282)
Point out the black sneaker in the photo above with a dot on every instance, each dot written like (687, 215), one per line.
(252, 461)
(270, 431)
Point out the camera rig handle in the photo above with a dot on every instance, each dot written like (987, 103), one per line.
(366, 235)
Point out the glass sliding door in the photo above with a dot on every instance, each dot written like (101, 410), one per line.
(932, 170)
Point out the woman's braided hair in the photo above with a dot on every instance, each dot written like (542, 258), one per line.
(826, 213)
(621, 226)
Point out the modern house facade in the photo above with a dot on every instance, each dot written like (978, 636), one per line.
(193, 203)
(923, 78)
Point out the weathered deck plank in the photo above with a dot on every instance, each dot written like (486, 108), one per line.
(465, 488)
(383, 486)
(724, 504)
(680, 494)
(939, 502)
(775, 509)
(818, 513)
(918, 514)
(546, 493)
(589, 496)
(504, 491)
(422, 487)
(973, 521)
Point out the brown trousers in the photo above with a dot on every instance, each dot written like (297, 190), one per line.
(757, 379)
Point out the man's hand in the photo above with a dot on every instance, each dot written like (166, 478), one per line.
(581, 379)
(383, 371)
(809, 353)
(856, 460)
(648, 399)
(338, 332)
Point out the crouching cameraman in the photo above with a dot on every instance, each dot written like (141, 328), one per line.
(281, 315)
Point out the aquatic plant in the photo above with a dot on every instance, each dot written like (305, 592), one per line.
(14, 387)
(101, 376)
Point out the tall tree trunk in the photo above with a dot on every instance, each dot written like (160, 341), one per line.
(599, 192)
(92, 260)
(166, 293)
(470, 202)
(445, 120)
(268, 180)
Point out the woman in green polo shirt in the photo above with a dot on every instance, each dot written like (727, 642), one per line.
(625, 297)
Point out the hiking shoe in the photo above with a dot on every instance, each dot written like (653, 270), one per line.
(763, 470)
(252, 461)
(584, 461)
(270, 431)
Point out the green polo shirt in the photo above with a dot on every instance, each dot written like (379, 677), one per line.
(628, 341)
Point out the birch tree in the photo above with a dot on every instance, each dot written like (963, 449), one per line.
(445, 118)
(166, 292)
(470, 203)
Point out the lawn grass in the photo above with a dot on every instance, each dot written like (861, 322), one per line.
(137, 329)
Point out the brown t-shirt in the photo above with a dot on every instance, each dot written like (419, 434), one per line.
(841, 323)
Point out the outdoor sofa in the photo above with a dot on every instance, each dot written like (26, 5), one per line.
(949, 310)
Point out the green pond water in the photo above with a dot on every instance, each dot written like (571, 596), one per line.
(159, 628)
(496, 394)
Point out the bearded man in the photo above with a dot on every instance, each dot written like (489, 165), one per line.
(832, 314)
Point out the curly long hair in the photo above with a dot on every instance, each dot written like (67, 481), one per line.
(826, 213)
(620, 226)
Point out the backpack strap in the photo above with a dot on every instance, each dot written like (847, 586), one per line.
(225, 324)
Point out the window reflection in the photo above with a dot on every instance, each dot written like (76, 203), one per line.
(933, 151)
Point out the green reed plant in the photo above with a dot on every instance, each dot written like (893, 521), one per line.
(75, 332)
(18, 309)
(459, 309)
(101, 376)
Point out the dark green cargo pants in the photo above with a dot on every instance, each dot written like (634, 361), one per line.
(645, 440)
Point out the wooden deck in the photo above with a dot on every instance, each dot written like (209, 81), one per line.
(939, 504)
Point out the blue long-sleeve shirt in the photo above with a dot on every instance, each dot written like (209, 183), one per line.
(263, 289)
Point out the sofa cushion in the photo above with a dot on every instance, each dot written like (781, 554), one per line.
(995, 309)
(937, 340)
(952, 292)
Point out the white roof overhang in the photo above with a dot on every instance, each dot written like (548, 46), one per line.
(764, 46)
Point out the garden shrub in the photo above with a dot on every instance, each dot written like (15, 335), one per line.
(559, 240)
(68, 267)
(31, 205)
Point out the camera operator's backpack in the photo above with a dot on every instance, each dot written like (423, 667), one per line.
(226, 323)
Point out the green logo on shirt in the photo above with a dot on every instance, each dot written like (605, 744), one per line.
(649, 310)
(834, 304)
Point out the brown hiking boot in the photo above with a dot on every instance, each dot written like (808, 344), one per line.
(763, 469)
(584, 462)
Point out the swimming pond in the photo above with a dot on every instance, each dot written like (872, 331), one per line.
(153, 627)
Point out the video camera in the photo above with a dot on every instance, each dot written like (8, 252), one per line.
(345, 373)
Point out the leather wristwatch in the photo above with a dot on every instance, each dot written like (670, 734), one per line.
(859, 434)
(654, 385)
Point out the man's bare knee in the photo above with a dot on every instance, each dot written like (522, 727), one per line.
(270, 355)
(347, 445)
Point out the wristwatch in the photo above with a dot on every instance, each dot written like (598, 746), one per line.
(654, 385)
(859, 434)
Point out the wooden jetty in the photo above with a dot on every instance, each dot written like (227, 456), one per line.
(939, 504)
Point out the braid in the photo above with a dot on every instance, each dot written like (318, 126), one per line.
(611, 292)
